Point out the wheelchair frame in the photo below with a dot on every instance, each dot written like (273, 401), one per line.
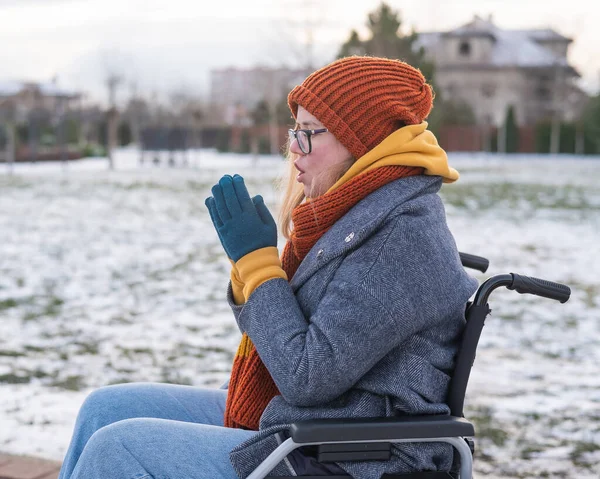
(371, 439)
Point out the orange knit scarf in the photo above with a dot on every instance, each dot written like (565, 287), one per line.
(251, 387)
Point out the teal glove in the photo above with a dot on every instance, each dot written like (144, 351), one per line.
(243, 224)
(216, 219)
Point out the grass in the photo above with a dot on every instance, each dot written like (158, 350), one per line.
(486, 426)
(25, 378)
(8, 304)
(11, 378)
(130, 353)
(510, 196)
(592, 295)
(172, 376)
(51, 307)
(580, 450)
(12, 354)
(87, 347)
(70, 383)
(531, 450)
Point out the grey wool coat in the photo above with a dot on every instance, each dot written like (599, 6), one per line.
(367, 327)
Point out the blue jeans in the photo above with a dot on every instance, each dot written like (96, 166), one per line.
(152, 431)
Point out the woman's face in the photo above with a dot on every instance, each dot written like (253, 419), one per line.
(327, 161)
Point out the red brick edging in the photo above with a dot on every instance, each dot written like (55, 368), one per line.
(24, 467)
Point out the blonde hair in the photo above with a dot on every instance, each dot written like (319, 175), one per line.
(293, 191)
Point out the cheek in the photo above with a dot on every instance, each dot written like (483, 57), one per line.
(316, 163)
(343, 153)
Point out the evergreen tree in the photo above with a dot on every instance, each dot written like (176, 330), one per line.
(591, 122)
(284, 116)
(450, 112)
(223, 140)
(353, 46)
(260, 114)
(511, 131)
(387, 40)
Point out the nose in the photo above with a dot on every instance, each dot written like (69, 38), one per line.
(295, 148)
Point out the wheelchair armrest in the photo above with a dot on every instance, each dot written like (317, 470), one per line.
(380, 429)
(353, 432)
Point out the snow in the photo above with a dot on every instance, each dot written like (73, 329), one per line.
(517, 48)
(510, 47)
(113, 276)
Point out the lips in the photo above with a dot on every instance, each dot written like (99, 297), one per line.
(300, 174)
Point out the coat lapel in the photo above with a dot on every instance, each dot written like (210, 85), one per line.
(359, 223)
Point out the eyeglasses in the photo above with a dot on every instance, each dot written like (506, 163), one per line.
(303, 138)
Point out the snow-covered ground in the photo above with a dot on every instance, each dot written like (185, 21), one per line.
(114, 276)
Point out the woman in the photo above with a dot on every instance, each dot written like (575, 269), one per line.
(359, 317)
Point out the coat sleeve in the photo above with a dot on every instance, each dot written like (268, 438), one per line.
(236, 309)
(313, 361)
(405, 279)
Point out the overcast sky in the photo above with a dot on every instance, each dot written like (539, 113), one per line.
(166, 45)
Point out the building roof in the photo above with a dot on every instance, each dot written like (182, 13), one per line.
(545, 34)
(510, 48)
(50, 89)
(514, 48)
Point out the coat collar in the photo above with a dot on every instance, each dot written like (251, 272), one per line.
(361, 221)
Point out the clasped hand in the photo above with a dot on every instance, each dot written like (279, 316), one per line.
(243, 224)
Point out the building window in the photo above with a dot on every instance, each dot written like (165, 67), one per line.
(488, 90)
(451, 89)
(464, 49)
(543, 89)
(544, 93)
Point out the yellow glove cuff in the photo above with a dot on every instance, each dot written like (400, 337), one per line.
(257, 267)
(237, 285)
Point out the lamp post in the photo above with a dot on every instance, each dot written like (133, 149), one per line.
(556, 110)
(197, 117)
(7, 115)
(112, 118)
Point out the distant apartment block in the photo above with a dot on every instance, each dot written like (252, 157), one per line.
(491, 69)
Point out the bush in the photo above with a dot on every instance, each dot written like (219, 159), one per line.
(222, 142)
(568, 139)
(244, 142)
(124, 134)
(512, 131)
(92, 150)
(264, 145)
(72, 131)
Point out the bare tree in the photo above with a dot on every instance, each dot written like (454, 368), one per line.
(189, 112)
(112, 118)
(115, 65)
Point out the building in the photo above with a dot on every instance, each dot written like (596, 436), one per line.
(26, 98)
(491, 69)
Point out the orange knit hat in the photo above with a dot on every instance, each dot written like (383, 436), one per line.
(362, 100)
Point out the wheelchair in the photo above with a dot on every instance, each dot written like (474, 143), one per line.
(371, 439)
